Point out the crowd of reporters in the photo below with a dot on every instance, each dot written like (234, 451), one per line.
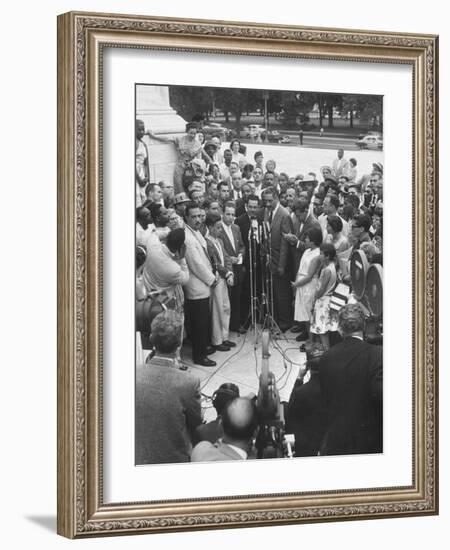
(202, 254)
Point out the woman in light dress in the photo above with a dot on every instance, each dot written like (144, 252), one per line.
(238, 157)
(305, 283)
(339, 241)
(323, 319)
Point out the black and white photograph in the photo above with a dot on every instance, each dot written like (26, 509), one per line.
(259, 278)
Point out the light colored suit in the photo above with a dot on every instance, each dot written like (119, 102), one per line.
(234, 247)
(341, 167)
(220, 301)
(201, 275)
(219, 451)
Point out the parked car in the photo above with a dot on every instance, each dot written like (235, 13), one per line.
(284, 139)
(370, 142)
(273, 136)
(216, 129)
(254, 131)
(371, 133)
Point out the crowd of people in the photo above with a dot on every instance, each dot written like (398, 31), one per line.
(206, 240)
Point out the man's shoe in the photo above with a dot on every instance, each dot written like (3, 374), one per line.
(222, 347)
(296, 328)
(210, 350)
(205, 362)
(229, 343)
(242, 330)
(302, 337)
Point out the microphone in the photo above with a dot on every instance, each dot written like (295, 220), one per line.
(254, 229)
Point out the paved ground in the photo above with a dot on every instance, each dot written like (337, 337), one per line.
(301, 160)
(242, 366)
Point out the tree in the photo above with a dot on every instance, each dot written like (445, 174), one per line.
(191, 100)
(332, 101)
(350, 105)
(371, 109)
(237, 101)
(296, 107)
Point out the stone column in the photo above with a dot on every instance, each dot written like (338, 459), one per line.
(153, 108)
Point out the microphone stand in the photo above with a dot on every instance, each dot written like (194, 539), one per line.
(252, 267)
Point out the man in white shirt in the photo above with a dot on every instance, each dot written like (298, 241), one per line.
(258, 175)
(341, 165)
(143, 223)
(224, 168)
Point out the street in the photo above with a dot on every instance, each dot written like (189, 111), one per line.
(313, 139)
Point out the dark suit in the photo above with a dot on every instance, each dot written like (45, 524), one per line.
(167, 413)
(279, 256)
(306, 417)
(234, 248)
(351, 378)
(252, 251)
(240, 207)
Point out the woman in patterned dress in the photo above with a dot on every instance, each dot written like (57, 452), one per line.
(323, 319)
(188, 148)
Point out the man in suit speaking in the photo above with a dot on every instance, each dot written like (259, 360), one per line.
(277, 221)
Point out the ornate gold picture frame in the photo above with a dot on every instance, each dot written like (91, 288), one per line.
(82, 510)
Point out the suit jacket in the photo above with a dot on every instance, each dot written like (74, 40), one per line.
(201, 275)
(237, 246)
(243, 222)
(351, 379)
(222, 267)
(168, 411)
(310, 222)
(240, 207)
(306, 417)
(219, 451)
(234, 249)
(279, 247)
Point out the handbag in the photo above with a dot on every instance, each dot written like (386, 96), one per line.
(340, 296)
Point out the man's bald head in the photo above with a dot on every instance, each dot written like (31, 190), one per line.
(239, 419)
